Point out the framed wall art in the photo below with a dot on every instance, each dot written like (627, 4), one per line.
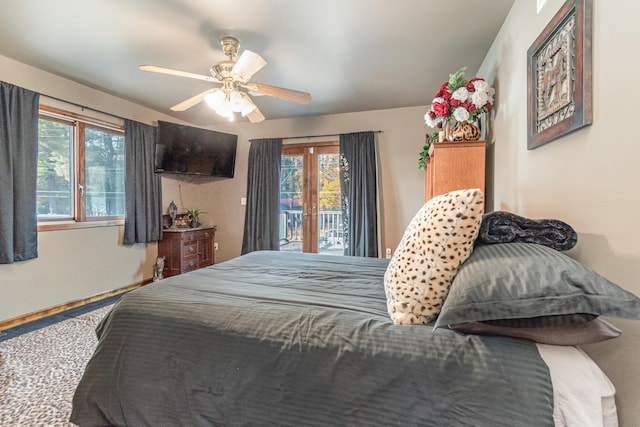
(559, 71)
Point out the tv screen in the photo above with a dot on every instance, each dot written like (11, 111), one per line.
(189, 150)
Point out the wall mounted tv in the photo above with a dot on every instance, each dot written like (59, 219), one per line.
(189, 150)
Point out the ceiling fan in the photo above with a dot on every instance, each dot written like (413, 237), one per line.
(231, 95)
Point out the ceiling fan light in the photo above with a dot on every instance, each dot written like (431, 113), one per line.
(224, 109)
(215, 98)
(236, 102)
(247, 108)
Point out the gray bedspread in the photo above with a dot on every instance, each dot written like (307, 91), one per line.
(286, 339)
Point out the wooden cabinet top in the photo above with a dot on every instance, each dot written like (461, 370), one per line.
(188, 229)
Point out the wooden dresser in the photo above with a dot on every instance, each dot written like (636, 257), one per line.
(455, 166)
(186, 249)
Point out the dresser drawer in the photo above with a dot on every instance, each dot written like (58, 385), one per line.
(189, 263)
(197, 235)
(190, 249)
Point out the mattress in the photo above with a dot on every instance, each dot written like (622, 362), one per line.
(285, 339)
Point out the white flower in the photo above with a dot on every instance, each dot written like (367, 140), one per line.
(427, 118)
(461, 94)
(480, 85)
(483, 93)
(461, 114)
(433, 123)
(479, 98)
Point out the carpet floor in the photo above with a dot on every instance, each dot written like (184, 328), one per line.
(41, 364)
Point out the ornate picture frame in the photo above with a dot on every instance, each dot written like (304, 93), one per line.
(559, 74)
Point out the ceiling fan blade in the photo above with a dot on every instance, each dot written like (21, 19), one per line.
(255, 115)
(171, 71)
(279, 92)
(188, 103)
(248, 64)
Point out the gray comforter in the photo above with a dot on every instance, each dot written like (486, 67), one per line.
(285, 339)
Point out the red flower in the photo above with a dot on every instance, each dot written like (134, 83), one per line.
(441, 109)
(443, 92)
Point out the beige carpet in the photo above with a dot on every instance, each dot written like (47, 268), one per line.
(39, 371)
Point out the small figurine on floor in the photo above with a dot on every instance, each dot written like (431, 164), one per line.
(157, 269)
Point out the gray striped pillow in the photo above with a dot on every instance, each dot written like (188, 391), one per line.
(524, 281)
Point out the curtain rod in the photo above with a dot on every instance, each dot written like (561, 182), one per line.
(83, 107)
(322, 136)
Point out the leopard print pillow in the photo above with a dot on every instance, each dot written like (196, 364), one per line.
(437, 241)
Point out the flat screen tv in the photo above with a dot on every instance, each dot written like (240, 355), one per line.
(189, 150)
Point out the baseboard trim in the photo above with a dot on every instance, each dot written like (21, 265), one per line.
(36, 315)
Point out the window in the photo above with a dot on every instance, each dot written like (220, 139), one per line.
(80, 169)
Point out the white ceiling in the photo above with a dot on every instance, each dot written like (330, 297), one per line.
(351, 55)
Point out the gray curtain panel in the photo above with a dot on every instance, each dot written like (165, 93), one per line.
(358, 183)
(261, 228)
(18, 173)
(143, 190)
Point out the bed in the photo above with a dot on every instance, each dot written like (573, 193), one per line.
(274, 338)
(449, 332)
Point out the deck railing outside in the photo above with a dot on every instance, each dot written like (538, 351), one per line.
(330, 235)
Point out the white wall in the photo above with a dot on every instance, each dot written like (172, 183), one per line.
(588, 178)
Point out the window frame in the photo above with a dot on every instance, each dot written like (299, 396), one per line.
(79, 123)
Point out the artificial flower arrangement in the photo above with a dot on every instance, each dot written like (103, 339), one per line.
(460, 99)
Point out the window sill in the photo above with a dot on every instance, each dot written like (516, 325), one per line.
(71, 225)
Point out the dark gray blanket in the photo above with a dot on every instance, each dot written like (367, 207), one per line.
(285, 339)
(506, 227)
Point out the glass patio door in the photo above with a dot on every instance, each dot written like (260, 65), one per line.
(310, 200)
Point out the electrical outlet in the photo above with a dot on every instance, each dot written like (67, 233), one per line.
(215, 246)
(388, 253)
